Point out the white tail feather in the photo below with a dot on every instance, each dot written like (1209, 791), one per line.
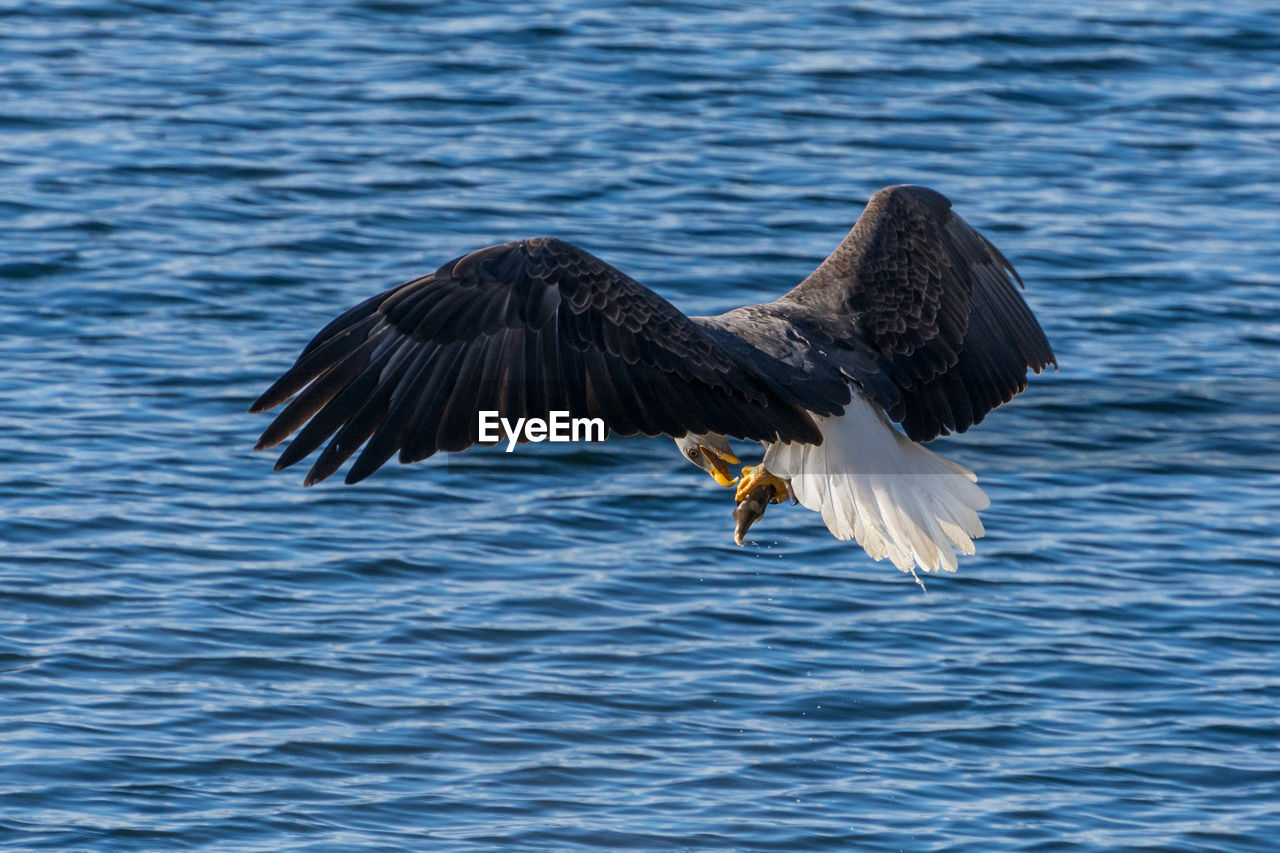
(871, 483)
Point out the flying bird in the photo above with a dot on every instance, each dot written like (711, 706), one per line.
(914, 319)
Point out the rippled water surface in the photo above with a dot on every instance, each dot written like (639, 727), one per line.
(561, 648)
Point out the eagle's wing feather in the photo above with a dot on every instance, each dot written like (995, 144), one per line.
(523, 328)
(926, 311)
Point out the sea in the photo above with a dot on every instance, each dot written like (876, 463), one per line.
(561, 648)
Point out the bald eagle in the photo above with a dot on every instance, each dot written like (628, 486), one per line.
(913, 319)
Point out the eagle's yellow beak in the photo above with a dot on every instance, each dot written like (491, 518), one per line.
(719, 469)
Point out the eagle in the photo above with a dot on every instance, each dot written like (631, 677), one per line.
(913, 320)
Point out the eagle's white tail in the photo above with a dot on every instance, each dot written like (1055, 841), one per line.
(871, 483)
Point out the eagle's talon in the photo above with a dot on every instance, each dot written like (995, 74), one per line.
(756, 475)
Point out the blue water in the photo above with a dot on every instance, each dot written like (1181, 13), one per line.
(561, 648)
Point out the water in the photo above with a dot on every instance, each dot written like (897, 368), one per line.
(561, 648)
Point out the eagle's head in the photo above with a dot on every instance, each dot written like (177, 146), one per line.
(711, 453)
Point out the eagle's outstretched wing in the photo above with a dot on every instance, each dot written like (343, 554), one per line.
(525, 329)
(922, 312)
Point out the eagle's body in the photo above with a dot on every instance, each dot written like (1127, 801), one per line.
(913, 318)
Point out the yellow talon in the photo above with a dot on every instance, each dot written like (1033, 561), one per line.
(756, 475)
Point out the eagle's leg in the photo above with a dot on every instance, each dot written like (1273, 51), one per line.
(756, 475)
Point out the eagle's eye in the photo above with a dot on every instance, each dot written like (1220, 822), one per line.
(692, 453)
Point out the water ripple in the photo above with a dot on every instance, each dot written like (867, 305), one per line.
(561, 648)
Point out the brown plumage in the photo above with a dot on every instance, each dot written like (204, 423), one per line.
(914, 309)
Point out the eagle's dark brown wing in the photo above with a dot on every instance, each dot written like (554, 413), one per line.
(923, 312)
(525, 329)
